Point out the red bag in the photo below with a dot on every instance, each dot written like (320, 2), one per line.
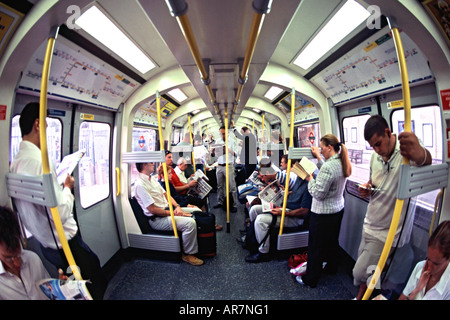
(296, 259)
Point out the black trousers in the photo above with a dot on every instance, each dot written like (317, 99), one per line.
(86, 260)
(323, 245)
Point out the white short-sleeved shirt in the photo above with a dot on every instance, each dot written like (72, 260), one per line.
(440, 291)
(148, 191)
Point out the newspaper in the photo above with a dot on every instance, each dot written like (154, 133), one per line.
(269, 206)
(202, 188)
(56, 289)
(253, 178)
(304, 168)
(68, 165)
(273, 194)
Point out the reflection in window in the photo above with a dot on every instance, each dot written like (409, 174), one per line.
(94, 167)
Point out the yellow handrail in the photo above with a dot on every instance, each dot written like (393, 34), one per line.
(399, 203)
(118, 181)
(44, 151)
(166, 176)
(288, 172)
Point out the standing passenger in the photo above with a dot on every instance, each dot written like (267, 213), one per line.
(36, 218)
(384, 173)
(327, 208)
(221, 171)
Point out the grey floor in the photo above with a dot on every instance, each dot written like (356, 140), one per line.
(224, 277)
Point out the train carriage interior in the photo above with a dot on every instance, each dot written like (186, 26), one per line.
(129, 79)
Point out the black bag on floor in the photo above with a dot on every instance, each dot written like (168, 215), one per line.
(250, 243)
(206, 233)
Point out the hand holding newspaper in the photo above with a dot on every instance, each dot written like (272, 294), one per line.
(56, 289)
(202, 188)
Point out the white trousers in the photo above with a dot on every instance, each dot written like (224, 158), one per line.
(186, 225)
(262, 223)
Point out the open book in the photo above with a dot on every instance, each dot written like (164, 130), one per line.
(304, 168)
(68, 164)
(56, 289)
(202, 188)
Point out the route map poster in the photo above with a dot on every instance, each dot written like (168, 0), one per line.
(371, 67)
(78, 75)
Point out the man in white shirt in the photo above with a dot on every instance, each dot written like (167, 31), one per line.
(36, 218)
(19, 269)
(221, 170)
(154, 202)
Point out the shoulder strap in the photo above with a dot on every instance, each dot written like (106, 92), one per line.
(272, 224)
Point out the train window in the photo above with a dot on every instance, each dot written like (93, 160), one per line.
(359, 150)
(54, 138)
(426, 123)
(144, 139)
(94, 167)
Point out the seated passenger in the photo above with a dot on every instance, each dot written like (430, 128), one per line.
(19, 269)
(183, 187)
(153, 200)
(182, 201)
(298, 202)
(430, 279)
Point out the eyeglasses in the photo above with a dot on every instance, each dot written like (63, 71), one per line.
(11, 258)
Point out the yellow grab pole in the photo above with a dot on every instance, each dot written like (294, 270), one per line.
(44, 151)
(166, 176)
(226, 167)
(288, 172)
(399, 203)
(192, 142)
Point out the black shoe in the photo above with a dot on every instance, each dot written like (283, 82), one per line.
(258, 257)
(218, 206)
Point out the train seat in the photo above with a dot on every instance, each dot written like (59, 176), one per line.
(150, 238)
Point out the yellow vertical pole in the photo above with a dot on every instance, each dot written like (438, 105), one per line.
(399, 203)
(226, 167)
(44, 152)
(288, 172)
(192, 142)
(166, 176)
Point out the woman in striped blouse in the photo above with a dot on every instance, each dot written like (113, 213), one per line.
(327, 191)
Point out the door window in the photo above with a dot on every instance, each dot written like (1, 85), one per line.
(94, 167)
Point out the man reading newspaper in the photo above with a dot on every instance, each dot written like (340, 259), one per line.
(298, 202)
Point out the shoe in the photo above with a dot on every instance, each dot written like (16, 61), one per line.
(300, 280)
(258, 257)
(217, 206)
(218, 227)
(191, 259)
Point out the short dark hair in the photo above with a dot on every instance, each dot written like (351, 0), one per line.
(9, 229)
(375, 125)
(222, 127)
(139, 166)
(28, 116)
